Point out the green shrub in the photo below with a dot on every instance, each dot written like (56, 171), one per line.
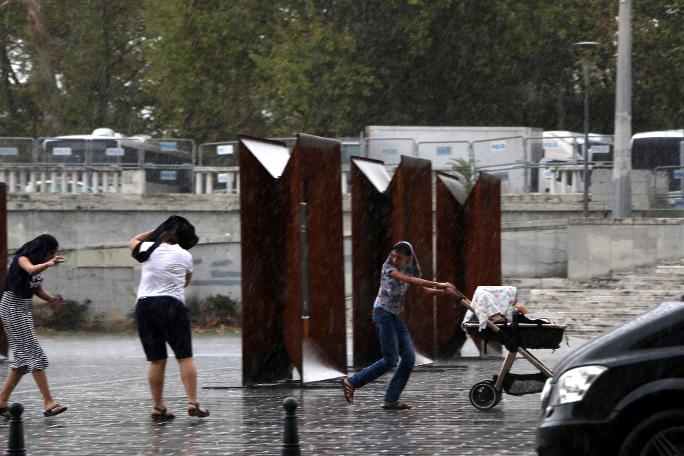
(214, 310)
(73, 316)
(465, 169)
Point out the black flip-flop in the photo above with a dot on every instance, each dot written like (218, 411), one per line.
(55, 410)
(4, 412)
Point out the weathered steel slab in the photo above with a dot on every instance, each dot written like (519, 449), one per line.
(384, 212)
(450, 219)
(264, 355)
(371, 241)
(293, 260)
(483, 239)
(468, 249)
(411, 193)
(314, 319)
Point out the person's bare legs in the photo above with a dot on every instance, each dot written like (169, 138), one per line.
(188, 373)
(11, 382)
(40, 377)
(155, 377)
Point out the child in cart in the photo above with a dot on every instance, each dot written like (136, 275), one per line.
(492, 302)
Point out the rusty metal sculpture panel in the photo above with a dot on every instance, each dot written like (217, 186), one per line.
(371, 240)
(468, 248)
(411, 190)
(482, 250)
(293, 262)
(264, 355)
(314, 286)
(385, 211)
(449, 260)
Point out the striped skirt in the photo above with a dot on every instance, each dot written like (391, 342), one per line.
(17, 319)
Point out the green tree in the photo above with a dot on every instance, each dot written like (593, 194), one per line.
(212, 69)
(311, 80)
(201, 70)
(101, 63)
(658, 61)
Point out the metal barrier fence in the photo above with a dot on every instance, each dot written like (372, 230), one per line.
(100, 165)
(94, 164)
(17, 150)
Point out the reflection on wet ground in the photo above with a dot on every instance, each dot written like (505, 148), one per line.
(103, 381)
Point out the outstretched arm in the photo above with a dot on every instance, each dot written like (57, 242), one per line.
(34, 269)
(418, 281)
(138, 239)
(448, 291)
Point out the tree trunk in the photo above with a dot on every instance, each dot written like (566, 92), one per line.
(104, 82)
(5, 74)
(48, 94)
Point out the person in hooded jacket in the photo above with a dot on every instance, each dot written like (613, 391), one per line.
(400, 270)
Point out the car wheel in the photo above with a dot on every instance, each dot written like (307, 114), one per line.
(659, 434)
(483, 395)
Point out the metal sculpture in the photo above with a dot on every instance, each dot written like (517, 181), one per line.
(371, 240)
(450, 198)
(385, 211)
(468, 248)
(411, 191)
(482, 248)
(292, 260)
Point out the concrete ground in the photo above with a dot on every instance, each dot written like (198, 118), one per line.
(102, 379)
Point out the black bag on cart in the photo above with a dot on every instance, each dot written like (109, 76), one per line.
(521, 384)
(522, 332)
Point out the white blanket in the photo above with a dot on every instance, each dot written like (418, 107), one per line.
(490, 300)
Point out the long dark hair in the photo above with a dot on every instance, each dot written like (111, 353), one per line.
(176, 228)
(38, 249)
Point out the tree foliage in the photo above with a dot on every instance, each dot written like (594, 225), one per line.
(211, 69)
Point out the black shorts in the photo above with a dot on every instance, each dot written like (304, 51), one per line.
(162, 319)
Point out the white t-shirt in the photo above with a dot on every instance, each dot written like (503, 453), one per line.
(163, 274)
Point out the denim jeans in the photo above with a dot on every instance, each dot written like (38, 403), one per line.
(395, 343)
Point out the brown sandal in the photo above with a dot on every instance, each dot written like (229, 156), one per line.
(348, 391)
(197, 410)
(397, 405)
(163, 415)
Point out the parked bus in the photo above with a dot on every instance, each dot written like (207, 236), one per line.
(167, 162)
(654, 149)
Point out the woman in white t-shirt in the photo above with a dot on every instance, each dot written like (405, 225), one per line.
(160, 311)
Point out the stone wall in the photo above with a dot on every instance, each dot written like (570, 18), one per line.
(601, 247)
(94, 231)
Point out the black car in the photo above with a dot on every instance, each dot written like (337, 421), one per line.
(621, 393)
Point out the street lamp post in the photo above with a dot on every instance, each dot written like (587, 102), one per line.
(586, 70)
(622, 155)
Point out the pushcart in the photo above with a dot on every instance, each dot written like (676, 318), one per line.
(518, 335)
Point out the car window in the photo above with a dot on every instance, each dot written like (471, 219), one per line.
(670, 337)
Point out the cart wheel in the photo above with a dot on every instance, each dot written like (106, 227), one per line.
(483, 395)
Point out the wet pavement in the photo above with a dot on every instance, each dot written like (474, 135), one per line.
(103, 381)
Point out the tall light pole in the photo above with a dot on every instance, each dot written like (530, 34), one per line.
(622, 156)
(586, 71)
